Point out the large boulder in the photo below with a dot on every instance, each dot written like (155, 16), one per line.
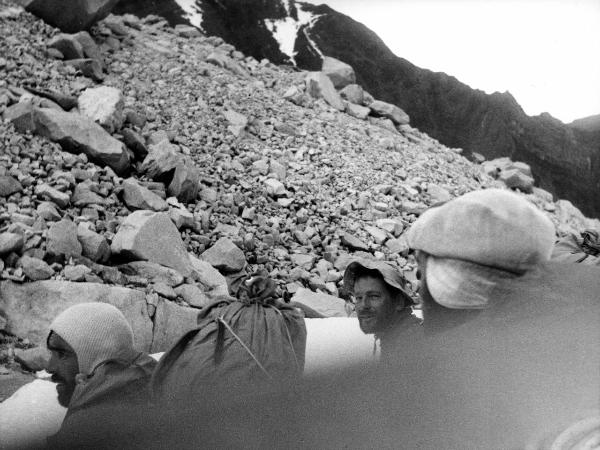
(161, 161)
(61, 240)
(151, 236)
(318, 85)
(21, 115)
(9, 186)
(225, 256)
(35, 269)
(104, 105)
(79, 134)
(68, 45)
(354, 94)
(29, 308)
(70, 15)
(185, 184)
(392, 112)
(210, 278)
(319, 305)
(171, 321)
(93, 245)
(340, 73)
(10, 242)
(516, 179)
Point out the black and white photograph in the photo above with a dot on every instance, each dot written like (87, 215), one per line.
(300, 224)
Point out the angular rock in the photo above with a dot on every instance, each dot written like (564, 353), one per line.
(525, 169)
(70, 15)
(68, 45)
(296, 96)
(358, 111)
(83, 195)
(392, 112)
(35, 269)
(61, 239)
(318, 85)
(319, 305)
(261, 166)
(90, 48)
(301, 237)
(155, 273)
(477, 157)
(416, 208)
(209, 277)
(9, 186)
(21, 115)
(65, 101)
(543, 194)
(193, 295)
(235, 118)
(171, 321)
(301, 260)
(394, 226)
(249, 213)
(285, 128)
(185, 184)
(164, 291)
(78, 134)
(136, 196)
(135, 142)
(187, 31)
(218, 58)
(161, 161)
(353, 242)
(209, 195)
(116, 25)
(88, 67)
(340, 73)
(515, 179)
(353, 93)
(61, 199)
(275, 187)
(31, 307)
(93, 245)
(182, 218)
(438, 194)
(157, 137)
(495, 166)
(10, 242)
(225, 256)
(33, 359)
(378, 235)
(77, 273)
(151, 236)
(278, 170)
(48, 212)
(104, 105)
(399, 246)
